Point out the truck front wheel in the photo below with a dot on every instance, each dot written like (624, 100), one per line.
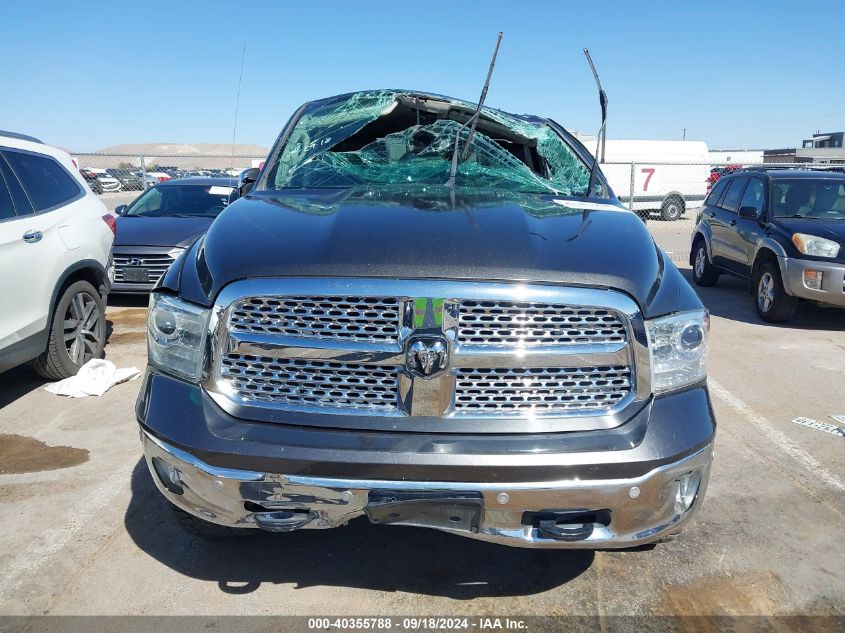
(672, 208)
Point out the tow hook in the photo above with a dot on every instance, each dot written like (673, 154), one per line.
(283, 520)
(565, 531)
(566, 525)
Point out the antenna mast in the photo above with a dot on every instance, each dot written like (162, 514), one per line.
(599, 157)
(238, 103)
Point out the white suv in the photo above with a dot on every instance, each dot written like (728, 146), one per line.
(55, 257)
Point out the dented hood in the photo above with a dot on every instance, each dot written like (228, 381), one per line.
(426, 235)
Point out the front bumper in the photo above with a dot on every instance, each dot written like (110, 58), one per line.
(622, 484)
(832, 291)
(611, 513)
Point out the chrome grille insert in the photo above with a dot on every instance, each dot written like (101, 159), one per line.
(341, 352)
(371, 319)
(546, 391)
(156, 265)
(523, 323)
(307, 383)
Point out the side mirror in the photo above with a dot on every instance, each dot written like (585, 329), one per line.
(749, 213)
(120, 209)
(247, 180)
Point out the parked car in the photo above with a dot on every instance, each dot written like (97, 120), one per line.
(159, 176)
(160, 224)
(107, 181)
(428, 326)
(670, 177)
(718, 172)
(128, 180)
(146, 179)
(782, 230)
(91, 180)
(55, 255)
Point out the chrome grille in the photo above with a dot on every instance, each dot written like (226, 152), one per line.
(519, 324)
(308, 383)
(371, 319)
(545, 391)
(359, 347)
(156, 265)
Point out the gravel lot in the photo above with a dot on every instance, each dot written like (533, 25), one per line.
(85, 532)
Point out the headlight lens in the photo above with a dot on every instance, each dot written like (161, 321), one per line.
(176, 336)
(678, 345)
(815, 246)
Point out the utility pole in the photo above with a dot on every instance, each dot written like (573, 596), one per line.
(685, 133)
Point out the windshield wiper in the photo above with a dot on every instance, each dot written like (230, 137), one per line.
(473, 120)
(602, 130)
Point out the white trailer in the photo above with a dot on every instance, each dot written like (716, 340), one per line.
(669, 177)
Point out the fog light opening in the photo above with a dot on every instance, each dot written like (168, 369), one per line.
(168, 475)
(813, 279)
(687, 491)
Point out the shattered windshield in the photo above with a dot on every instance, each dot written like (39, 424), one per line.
(394, 137)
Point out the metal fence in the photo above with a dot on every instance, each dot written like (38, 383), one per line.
(666, 195)
(120, 178)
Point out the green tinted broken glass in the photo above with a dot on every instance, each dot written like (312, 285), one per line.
(420, 154)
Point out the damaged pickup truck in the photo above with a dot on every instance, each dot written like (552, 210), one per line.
(430, 313)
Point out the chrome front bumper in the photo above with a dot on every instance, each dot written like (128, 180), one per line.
(625, 512)
(832, 291)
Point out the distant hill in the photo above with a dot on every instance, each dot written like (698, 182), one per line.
(185, 149)
(180, 155)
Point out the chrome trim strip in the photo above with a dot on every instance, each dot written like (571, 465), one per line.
(568, 356)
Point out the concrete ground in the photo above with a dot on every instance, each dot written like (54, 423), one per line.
(85, 531)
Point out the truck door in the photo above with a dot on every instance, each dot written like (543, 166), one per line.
(742, 233)
(723, 220)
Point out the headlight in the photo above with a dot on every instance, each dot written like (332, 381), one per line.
(176, 336)
(678, 345)
(816, 246)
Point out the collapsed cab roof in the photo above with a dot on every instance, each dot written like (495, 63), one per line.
(392, 136)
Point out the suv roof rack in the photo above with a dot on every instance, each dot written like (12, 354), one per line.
(21, 137)
(808, 167)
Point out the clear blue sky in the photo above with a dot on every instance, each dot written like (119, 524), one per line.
(85, 75)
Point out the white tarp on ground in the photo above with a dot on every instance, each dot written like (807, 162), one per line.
(93, 379)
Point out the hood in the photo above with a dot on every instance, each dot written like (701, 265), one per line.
(828, 229)
(426, 234)
(164, 231)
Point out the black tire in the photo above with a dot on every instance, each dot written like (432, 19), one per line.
(77, 332)
(703, 272)
(204, 529)
(770, 298)
(672, 208)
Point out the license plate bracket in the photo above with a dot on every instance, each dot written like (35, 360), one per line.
(136, 275)
(434, 509)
